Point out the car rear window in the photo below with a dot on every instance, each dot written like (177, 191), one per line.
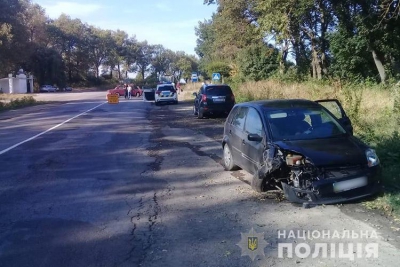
(219, 91)
(166, 88)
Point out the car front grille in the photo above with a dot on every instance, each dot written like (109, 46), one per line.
(341, 172)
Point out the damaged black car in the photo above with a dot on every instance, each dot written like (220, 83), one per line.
(305, 148)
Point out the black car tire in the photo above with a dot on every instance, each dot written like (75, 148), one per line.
(228, 164)
(194, 110)
(200, 114)
(156, 103)
(258, 184)
(176, 102)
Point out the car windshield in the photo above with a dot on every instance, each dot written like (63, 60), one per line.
(166, 88)
(219, 91)
(302, 124)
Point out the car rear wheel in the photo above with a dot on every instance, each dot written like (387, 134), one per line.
(228, 159)
(137, 94)
(117, 94)
(200, 114)
(194, 111)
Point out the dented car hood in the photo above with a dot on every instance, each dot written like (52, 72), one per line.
(342, 151)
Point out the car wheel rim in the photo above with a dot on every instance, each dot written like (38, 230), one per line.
(227, 156)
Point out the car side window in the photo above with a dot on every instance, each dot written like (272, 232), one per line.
(240, 118)
(253, 123)
(232, 115)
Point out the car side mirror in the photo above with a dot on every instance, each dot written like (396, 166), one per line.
(349, 128)
(346, 122)
(254, 137)
(195, 94)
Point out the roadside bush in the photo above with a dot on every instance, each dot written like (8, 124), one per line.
(18, 103)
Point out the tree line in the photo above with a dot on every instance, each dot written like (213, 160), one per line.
(67, 51)
(322, 39)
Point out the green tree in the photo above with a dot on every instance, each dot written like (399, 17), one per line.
(47, 66)
(220, 67)
(258, 61)
(115, 57)
(144, 57)
(162, 60)
(100, 44)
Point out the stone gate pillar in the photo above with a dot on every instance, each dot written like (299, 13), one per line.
(10, 84)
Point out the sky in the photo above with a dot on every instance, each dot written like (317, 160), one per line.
(167, 22)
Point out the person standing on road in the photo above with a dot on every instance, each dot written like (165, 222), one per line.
(129, 88)
(126, 91)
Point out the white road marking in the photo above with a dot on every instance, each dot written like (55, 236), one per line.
(48, 130)
(77, 103)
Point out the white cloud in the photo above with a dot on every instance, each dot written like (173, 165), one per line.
(73, 9)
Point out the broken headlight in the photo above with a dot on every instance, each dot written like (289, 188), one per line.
(372, 157)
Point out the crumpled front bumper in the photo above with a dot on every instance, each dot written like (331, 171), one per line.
(323, 191)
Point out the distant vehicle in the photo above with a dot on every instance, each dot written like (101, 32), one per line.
(194, 77)
(213, 99)
(137, 91)
(165, 92)
(48, 88)
(118, 90)
(68, 89)
(301, 147)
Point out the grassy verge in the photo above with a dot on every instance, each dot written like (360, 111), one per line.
(375, 114)
(188, 90)
(7, 102)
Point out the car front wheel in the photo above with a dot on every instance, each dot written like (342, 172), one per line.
(257, 184)
(228, 159)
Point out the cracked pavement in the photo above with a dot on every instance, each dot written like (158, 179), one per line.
(138, 185)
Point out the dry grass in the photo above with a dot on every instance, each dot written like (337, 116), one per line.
(365, 105)
(188, 90)
(19, 102)
(9, 97)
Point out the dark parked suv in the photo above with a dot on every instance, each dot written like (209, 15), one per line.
(213, 99)
(306, 148)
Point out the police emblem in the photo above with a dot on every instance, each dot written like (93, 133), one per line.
(252, 244)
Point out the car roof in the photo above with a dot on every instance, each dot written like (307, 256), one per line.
(281, 103)
(216, 85)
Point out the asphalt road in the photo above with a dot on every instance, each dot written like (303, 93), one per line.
(86, 183)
